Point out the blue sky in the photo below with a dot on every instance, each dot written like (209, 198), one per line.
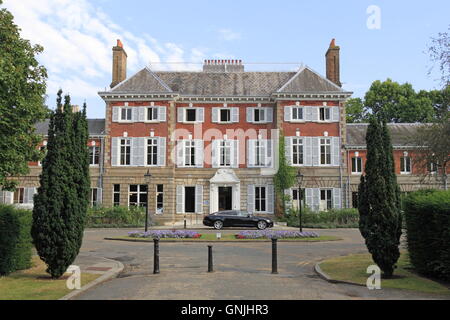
(78, 36)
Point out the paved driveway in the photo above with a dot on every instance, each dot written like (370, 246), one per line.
(242, 270)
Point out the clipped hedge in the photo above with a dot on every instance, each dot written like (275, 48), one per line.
(15, 239)
(335, 218)
(116, 217)
(427, 215)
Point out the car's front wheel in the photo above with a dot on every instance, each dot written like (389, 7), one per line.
(218, 225)
(262, 225)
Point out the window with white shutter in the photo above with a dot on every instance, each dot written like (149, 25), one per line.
(126, 114)
(297, 151)
(152, 152)
(325, 151)
(152, 114)
(298, 114)
(125, 152)
(288, 149)
(199, 199)
(189, 153)
(162, 151)
(325, 114)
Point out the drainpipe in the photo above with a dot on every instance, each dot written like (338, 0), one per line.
(340, 165)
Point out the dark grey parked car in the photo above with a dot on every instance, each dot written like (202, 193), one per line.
(235, 218)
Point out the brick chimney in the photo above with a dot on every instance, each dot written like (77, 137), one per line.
(333, 64)
(119, 67)
(219, 66)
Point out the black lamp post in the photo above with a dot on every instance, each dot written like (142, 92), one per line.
(299, 197)
(147, 177)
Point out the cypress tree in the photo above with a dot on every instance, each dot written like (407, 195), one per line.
(61, 203)
(380, 220)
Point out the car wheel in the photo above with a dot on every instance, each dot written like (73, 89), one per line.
(262, 225)
(218, 225)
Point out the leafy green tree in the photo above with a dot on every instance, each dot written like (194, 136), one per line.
(355, 110)
(397, 103)
(22, 96)
(285, 176)
(440, 100)
(380, 218)
(61, 203)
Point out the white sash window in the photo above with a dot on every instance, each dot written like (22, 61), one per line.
(325, 151)
(125, 152)
(152, 152)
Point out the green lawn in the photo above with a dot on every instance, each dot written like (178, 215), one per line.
(36, 284)
(211, 237)
(353, 268)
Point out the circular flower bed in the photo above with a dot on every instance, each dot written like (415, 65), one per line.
(159, 234)
(269, 234)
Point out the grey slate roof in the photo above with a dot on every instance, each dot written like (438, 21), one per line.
(400, 133)
(143, 81)
(96, 127)
(225, 83)
(307, 80)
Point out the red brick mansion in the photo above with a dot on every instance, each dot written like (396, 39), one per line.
(210, 140)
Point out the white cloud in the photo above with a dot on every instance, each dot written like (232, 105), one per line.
(78, 38)
(228, 34)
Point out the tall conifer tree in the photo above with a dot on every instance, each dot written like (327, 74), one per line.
(61, 203)
(379, 208)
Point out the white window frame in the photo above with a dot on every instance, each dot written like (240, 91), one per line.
(262, 111)
(92, 156)
(20, 191)
(157, 193)
(93, 199)
(114, 192)
(128, 109)
(260, 153)
(358, 165)
(300, 142)
(265, 199)
(223, 146)
(185, 110)
(153, 109)
(403, 160)
(325, 111)
(230, 111)
(327, 146)
(138, 192)
(189, 147)
(329, 201)
(155, 144)
(431, 166)
(303, 110)
(119, 150)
